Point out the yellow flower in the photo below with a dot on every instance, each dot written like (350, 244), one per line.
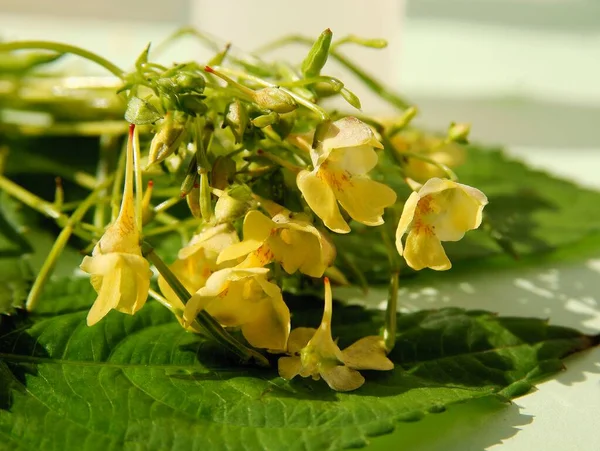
(242, 297)
(289, 239)
(341, 163)
(429, 146)
(315, 354)
(119, 273)
(198, 260)
(442, 210)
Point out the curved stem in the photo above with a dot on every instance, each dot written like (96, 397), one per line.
(63, 48)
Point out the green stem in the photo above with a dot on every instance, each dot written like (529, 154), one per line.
(389, 330)
(59, 245)
(299, 99)
(63, 48)
(373, 84)
(208, 323)
(41, 206)
(137, 170)
(449, 172)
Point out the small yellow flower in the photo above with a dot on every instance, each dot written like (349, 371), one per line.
(242, 297)
(341, 163)
(429, 146)
(288, 238)
(442, 210)
(119, 273)
(198, 260)
(315, 354)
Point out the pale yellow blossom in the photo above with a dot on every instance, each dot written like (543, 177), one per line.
(244, 298)
(313, 353)
(288, 238)
(119, 273)
(430, 147)
(442, 210)
(198, 260)
(341, 163)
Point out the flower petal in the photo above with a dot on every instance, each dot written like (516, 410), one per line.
(238, 250)
(408, 213)
(289, 367)
(368, 353)
(271, 327)
(424, 250)
(365, 200)
(342, 378)
(356, 160)
(108, 296)
(299, 338)
(321, 200)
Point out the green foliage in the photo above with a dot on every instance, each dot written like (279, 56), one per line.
(142, 382)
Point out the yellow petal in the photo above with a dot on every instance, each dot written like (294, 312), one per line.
(342, 378)
(238, 250)
(289, 367)
(424, 250)
(321, 200)
(271, 327)
(349, 132)
(364, 199)
(357, 160)
(299, 338)
(368, 353)
(408, 214)
(108, 296)
(257, 226)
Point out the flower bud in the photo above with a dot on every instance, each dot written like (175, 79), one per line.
(168, 139)
(275, 99)
(192, 104)
(233, 204)
(317, 55)
(285, 125)
(191, 177)
(265, 120)
(459, 133)
(223, 170)
(351, 98)
(236, 117)
(189, 81)
(193, 201)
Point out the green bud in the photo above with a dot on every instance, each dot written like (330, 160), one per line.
(193, 201)
(141, 112)
(285, 125)
(265, 120)
(236, 117)
(189, 81)
(275, 99)
(190, 178)
(351, 98)
(192, 104)
(459, 133)
(143, 58)
(233, 204)
(317, 55)
(168, 139)
(205, 200)
(223, 170)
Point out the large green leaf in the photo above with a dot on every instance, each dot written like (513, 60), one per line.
(143, 383)
(538, 213)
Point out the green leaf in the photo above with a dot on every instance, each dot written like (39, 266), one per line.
(142, 382)
(536, 212)
(141, 112)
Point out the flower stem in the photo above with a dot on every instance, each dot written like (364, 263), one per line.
(374, 85)
(59, 245)
(299, 99)
(63, 48)
(208, 323)
(389, 330)
(137, 169)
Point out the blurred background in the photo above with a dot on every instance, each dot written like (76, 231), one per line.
(525, 73)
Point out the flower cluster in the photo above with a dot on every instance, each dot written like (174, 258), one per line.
(235, 278)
